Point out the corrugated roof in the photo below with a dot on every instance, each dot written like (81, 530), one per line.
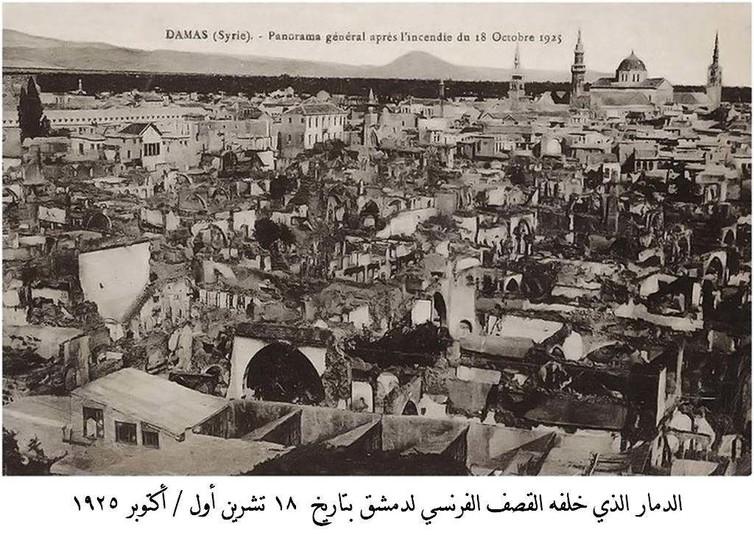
(157, 401)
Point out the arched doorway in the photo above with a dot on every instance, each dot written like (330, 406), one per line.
(715, 267)
(280, 372)
(410, 409)
(98, 221)
(370, 209)
(465, 327)
(210, 235)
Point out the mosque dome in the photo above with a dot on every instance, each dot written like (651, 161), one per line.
(632, 63)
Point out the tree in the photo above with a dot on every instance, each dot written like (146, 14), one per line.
(31, 462)
(30, 112)
(267, 233)
(337, 376)
(279, 187)
(537, 280)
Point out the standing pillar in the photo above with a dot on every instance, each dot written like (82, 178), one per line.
(679, 368)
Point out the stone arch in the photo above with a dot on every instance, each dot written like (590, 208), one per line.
(213, 369)
(220, 193)
(465, 326)
(186, 179)
(395, 206)
(212, 235)
(369, 215)
(370, 208)
(14, 197)
(281, 372)
(99, 221)
(714, 267)
(511, 285)
(196, 201)
(362, 397)
(410, 409)
(439, 309)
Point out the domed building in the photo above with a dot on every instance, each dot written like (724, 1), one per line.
(630, 87)
(631, 70)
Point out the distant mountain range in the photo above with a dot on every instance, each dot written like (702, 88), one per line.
(24, 51)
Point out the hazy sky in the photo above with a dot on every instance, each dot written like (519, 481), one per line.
(674, 40)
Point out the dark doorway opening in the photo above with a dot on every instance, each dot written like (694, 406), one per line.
(280, 372)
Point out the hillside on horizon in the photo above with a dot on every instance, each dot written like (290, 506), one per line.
(25, 51)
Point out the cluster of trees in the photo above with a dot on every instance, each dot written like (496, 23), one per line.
(269, 234)
(538, 280)
(281, 185)
(402, 345)
(31, 119)
(386, 89)
(30, 462)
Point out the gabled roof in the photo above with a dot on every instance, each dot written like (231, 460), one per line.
(653, 82)
(154, 400)
(137, 129)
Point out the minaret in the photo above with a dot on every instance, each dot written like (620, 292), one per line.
(578, 70)
(442, 98)
(517, 91)
(370, 119)
(715, 78)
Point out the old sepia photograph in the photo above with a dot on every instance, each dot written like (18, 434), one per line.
(376, 239)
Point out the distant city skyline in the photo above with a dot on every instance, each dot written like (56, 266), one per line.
(674, 40)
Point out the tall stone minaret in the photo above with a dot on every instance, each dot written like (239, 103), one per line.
(371, 119)
(442, 98)
(578, 70)
(715, 78)
(517, 90)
